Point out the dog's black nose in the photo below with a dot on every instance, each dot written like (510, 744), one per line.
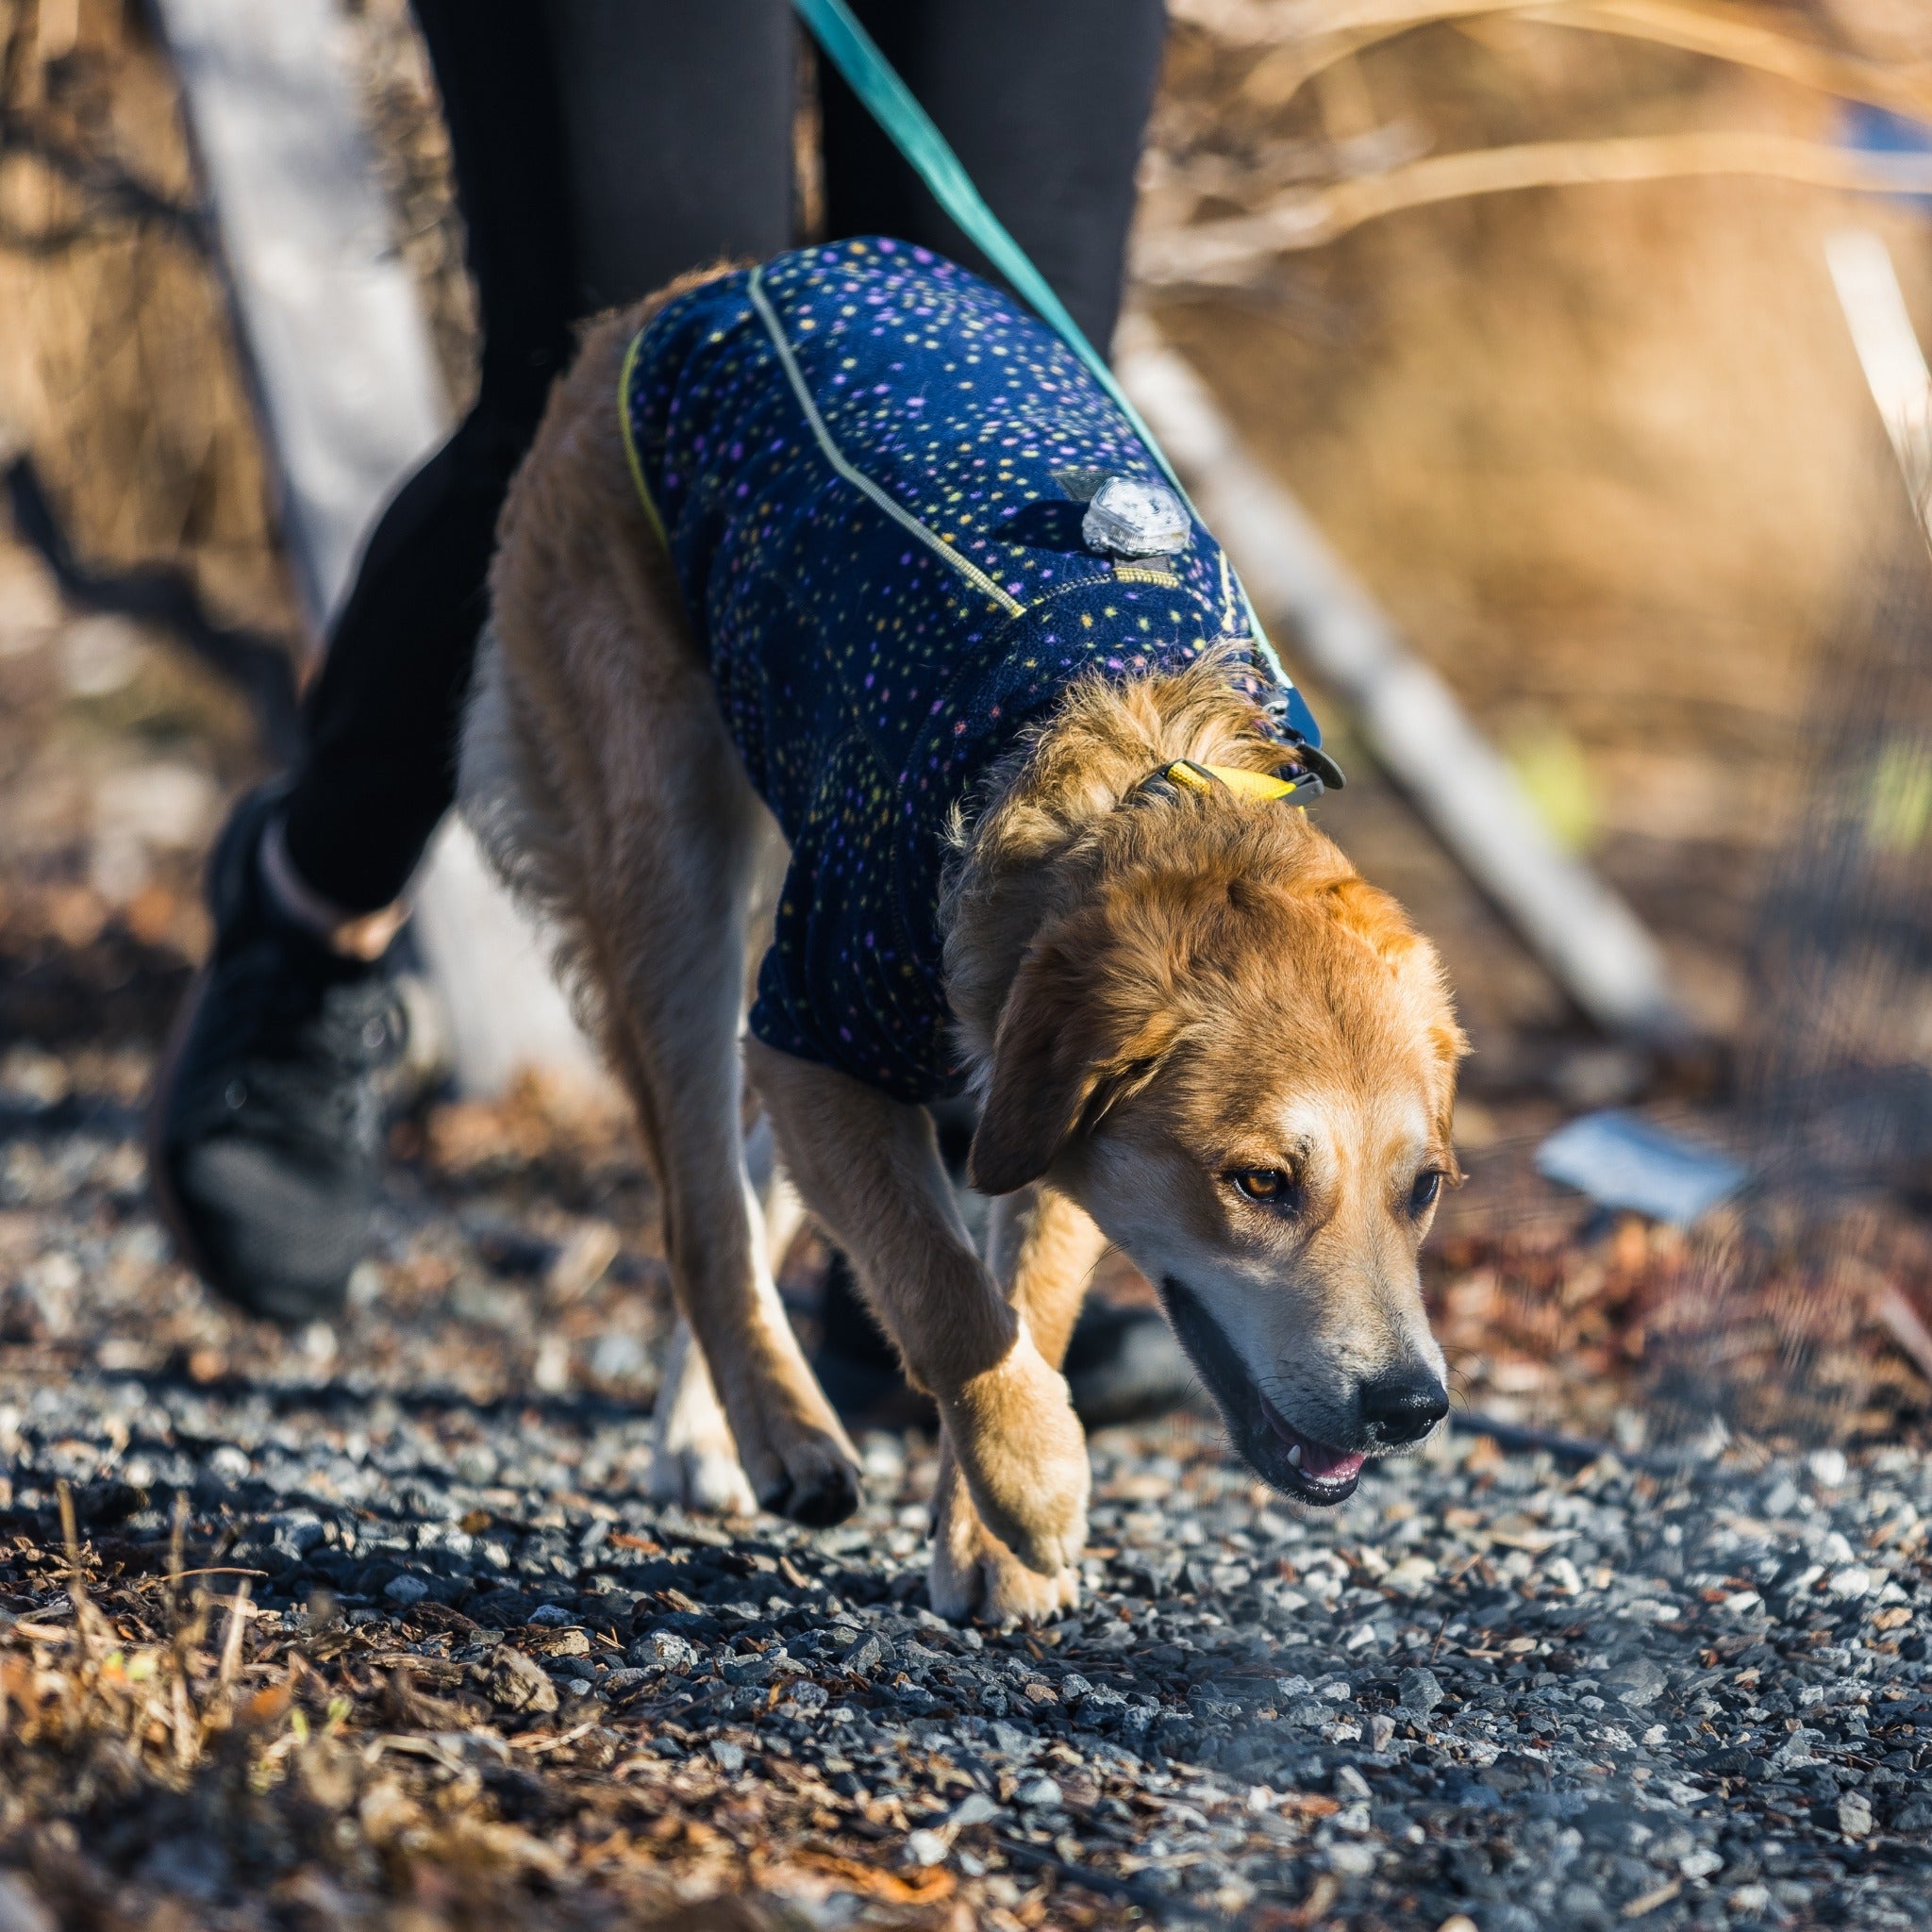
(1404, 1407)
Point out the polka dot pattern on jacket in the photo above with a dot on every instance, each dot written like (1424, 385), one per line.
(867, 463)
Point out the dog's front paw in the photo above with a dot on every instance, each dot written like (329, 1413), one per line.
(1024, 1457)
(974, 1575)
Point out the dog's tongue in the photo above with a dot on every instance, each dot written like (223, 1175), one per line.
(1327, 1465)
(1318, 1461)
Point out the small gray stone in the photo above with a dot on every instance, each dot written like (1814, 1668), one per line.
(865, 1657)
(297, 1531)
(664, 1648)
(728, 1758)
(1638, 1683)
(1038, 1794)
(1855, 1815)
(405, 1590)
(977, 1809)
(553, 1616)
(1420, 1690)
(1102, 1706)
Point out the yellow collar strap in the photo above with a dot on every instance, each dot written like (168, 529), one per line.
(1183, 774)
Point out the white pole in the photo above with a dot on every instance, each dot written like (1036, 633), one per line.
(1587, 938)
(1888, 352)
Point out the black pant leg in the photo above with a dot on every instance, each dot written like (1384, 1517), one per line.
(677, 135)
(377, 770)
(601, 147)
(1045, 102)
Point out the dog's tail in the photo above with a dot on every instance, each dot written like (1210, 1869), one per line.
(507, 801)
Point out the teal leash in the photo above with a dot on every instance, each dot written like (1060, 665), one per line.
(909, 127)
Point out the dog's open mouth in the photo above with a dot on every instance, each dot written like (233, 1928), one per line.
(1321, 1474)
(1296, 1464)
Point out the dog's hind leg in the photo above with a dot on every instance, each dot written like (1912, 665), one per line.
(685, 836)
(659, 844)
(693, 1459)
(666, 933)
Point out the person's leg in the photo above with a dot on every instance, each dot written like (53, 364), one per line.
(1046, 103)
(265, 1136)
(601, 147)
(677, 136)
(378, 768)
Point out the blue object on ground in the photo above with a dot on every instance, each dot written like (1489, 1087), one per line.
(1619, 1160)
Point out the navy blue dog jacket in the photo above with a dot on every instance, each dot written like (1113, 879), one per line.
(869, 466)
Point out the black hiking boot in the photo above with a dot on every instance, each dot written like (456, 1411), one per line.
(265, 1131)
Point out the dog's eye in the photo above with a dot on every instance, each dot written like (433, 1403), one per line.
(1421, 1196)
(1270, 1186)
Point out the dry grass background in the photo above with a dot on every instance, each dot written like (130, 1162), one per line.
(117, 367)
(1604, 453)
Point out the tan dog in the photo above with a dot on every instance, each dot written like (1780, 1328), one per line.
(1195, 1031)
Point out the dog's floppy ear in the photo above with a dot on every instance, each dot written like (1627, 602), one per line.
(1072, 1042)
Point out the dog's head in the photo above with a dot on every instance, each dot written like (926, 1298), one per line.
(1240, 1059)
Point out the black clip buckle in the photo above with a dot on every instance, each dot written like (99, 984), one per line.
(1310, 756)
(1326, 773)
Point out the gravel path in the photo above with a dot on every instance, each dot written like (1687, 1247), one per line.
(1538, 1697)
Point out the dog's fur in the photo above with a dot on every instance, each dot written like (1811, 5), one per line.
(1153, 997)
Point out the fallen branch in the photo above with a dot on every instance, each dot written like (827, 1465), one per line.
(1723, 35)
(1224, 253)
(1303, 39)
